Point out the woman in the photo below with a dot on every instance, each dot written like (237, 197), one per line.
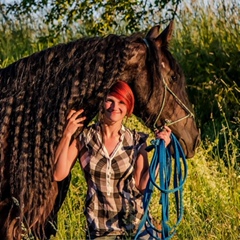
(115, 165)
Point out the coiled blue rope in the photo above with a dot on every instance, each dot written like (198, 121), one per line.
(163, 159)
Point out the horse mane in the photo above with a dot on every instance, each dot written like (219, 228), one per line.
(36, 93)
(152, 63)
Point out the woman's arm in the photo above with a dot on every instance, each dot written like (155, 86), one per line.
(142, 164)
(67, 151)
(141, 169)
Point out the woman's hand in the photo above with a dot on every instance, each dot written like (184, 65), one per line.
(74, 122)
(164, 134)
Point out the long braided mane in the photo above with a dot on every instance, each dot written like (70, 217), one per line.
(36, 93)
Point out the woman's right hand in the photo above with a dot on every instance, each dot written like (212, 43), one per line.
(74, 122)
(164, 134)
(67, 150)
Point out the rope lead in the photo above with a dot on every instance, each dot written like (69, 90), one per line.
(162, 158)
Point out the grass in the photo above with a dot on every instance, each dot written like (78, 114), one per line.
(71, 219)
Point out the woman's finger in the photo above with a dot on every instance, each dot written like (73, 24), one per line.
(168, 129)
(164, 134)
(77, 114)
(70, 113)
(80, 120)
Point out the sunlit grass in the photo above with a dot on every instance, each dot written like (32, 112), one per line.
(71, 219)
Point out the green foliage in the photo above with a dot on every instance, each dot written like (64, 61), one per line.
(212, 40)
(211, 199)
(71, 224)
(10, 31)
(207, 46)
(96, 17)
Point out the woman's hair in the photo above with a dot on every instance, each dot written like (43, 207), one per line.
(123, 92)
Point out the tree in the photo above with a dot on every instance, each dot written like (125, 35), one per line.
(96, 17)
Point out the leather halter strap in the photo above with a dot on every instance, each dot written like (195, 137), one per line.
(166, 88)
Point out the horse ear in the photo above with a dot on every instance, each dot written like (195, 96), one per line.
(166, 35)
(153, 32)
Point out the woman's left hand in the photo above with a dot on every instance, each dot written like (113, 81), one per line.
(164, 134)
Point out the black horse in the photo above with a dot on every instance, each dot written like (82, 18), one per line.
(38, 91)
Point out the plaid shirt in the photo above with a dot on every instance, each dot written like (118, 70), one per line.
(113, 203)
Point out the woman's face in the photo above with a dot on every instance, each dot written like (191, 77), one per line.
(114, 109)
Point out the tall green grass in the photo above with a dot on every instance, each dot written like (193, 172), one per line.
(206, 44)
(71, 221)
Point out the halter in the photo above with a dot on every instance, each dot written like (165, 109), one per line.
(166, 88)
(167, 121)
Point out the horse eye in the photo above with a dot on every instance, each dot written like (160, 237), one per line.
(174, 78)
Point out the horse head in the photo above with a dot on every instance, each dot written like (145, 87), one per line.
(160, 88)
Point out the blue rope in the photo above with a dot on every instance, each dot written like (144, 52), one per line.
(162, 157)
